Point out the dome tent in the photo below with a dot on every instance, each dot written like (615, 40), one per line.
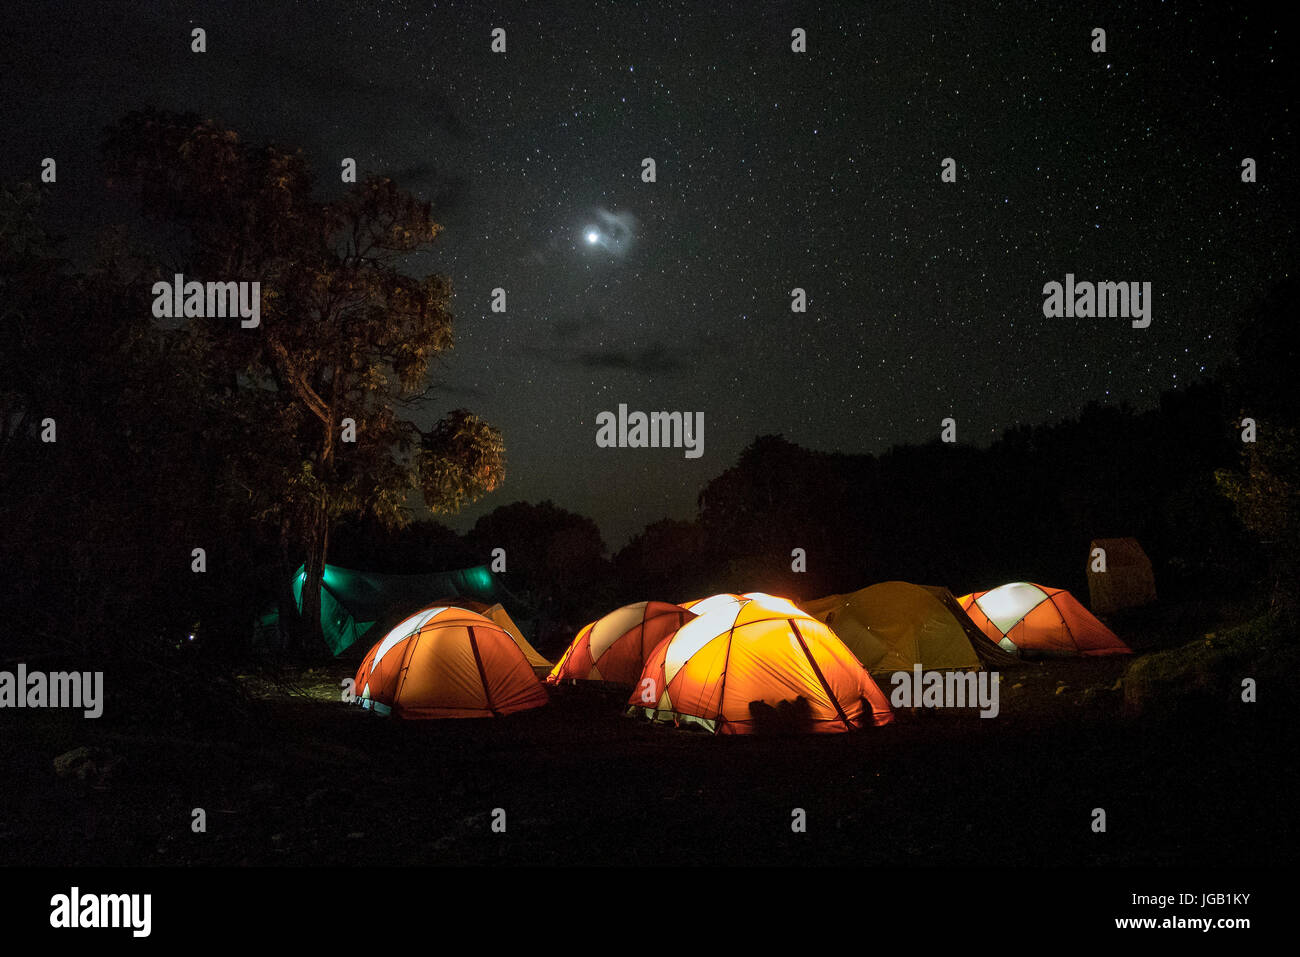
(893, 626)
(701, 606)
(613, 649)
(990, 652)
(498, 616)
(1037, 620)
(733, 669)
(447, 662)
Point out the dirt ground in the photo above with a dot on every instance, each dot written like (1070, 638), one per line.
(309, 780)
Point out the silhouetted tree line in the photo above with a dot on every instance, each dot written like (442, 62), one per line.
(169, 438)
(1217, 516)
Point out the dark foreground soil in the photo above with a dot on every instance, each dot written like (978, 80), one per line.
(305, 779)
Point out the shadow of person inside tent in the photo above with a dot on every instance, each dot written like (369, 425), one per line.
(787, 717)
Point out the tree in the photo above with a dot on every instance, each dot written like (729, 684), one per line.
(1266, 495)
(345, 334)
(98, 517)
(1265, 491)
(556, 555)
(668, 560)
(778, 497)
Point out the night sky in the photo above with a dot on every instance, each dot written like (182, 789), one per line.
(775, 170)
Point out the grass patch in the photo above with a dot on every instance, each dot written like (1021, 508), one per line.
(1209, 671)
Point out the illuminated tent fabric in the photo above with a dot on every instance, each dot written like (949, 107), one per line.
(1127, 582)
(1038, 620)
(990, 652)
(614, 648)
(701, 606)
(447, 663)
(895, 625)
(498, 616)
(728, 670)
(352, 602)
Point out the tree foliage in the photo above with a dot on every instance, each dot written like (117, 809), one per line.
(346, 333)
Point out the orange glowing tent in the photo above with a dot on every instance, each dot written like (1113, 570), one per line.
(500, 616)
(746, 665)
(721, 600)
(447, 662)
(1037, 620)
(614, 648)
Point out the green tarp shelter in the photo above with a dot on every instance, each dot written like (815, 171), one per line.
(352, 602)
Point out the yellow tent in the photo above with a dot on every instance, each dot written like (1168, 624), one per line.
(895, 625)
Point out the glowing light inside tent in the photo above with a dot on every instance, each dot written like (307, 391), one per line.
(1009, 603)
(403, 631)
